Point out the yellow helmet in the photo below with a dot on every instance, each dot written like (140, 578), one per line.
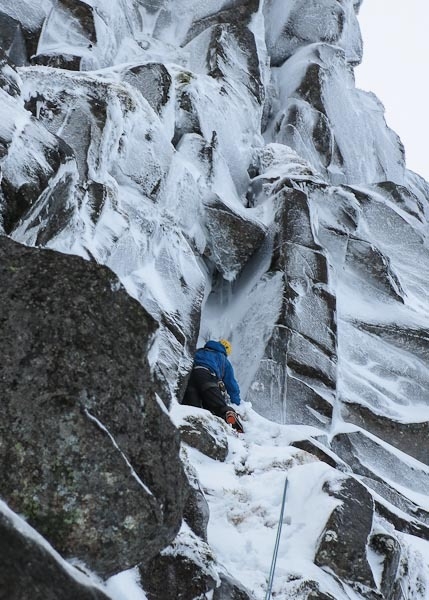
(227, 346)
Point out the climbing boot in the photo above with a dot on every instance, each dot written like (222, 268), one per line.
(232, 419)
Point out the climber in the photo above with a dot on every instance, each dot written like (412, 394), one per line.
(212, 383)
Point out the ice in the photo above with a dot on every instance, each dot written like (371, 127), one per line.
(255, 194)
(245, 495)
(355, 121)
(28, 13)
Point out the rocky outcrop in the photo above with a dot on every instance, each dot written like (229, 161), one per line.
(184, 570)
(304, 23)
(343, 544)
(29, 570)
(388, 548)
(196, 511)
(9, 79)
(88, 454)
(32, 159)
(12, 39)
(205, 433)
(225, 167)
(231, 589)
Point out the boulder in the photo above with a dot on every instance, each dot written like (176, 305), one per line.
(317, 449)
(29, 570)
(184, 571)
(234, 12)
(388, 549)
(58, 60)
(206, 433)
(343, 544)
(153, 81)
(81, 36)
(90, 456)
(307, 589)
(79, 18)
(227, 52)
(196, 17)
(231, 589)
(303, 22)
(232, 238)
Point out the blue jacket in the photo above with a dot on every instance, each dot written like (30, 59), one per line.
(213, 356)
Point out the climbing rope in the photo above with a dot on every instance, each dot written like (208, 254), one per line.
(276, 546)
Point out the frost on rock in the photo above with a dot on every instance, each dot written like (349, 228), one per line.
(9, 79)
(118, 194)
(320, 111)
(343, 544)
(218, 158)
(32, 159)
(186, 569)
(304, 22)
(88, 35)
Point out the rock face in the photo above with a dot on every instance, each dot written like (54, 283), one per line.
(28, 570)
(225, 168)
(88, 455)
(343, 544)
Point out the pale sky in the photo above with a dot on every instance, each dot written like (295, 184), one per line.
(396, 68)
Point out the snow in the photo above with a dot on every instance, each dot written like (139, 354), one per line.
(27, 12)
(160, 171)
(245, 494)
(125, 586)
(375, 153)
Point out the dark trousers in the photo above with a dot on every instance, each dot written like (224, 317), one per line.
(203, 391)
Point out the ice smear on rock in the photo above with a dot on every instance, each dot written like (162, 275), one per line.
(225, 167)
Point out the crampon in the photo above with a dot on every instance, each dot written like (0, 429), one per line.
(232, 419)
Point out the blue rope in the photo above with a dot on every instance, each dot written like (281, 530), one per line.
(276, 546)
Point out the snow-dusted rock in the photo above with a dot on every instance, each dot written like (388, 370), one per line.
(304, 22)
(12, 39)
(320, 111)
(196, 509)
(203, 431)
(388, 549)
(231, 589)
(407, 437)
(88, 35)
(197, 16)
(32, 159)
(153, 81)
(232, 238)
(29, 569)
(397, 479)
(302, 345)
(30, 14)
(343, 544)
(9, 79)
(219, 159)
(185, 570)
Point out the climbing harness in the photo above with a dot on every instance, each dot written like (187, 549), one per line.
(276, 546)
